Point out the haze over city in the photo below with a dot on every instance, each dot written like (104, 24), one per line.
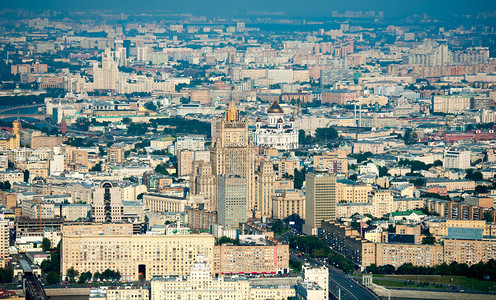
(257, 150)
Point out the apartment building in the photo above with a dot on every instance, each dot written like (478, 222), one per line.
(288, 202)
(248, 259)
(134, 256)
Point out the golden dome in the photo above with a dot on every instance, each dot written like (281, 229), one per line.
(275, 108)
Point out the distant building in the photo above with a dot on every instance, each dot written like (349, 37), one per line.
(275, 133)
(107, 204)
(456, 159)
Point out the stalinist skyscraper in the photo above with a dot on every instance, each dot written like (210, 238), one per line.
(231, 153)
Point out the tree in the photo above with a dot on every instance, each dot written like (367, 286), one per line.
(150, 106)
(137, 129)
(325, 134)
(26, 176)
(72, 274)
(46, 244)
(383, 171)
(96, 276)
(481, 189)
(126, 120)
(6, 185)
(488, 216)
(52, 277)
(226, 240)
(97, 167)
(6, 275)
(477, 176)
(278, 227)
(84, 277)
(429, 240)
(299, 178)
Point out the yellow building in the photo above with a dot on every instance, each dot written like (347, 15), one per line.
(270, 259)
(134, 255)
(335, 162)
(354, 193)
(288, 202)
(469, 251)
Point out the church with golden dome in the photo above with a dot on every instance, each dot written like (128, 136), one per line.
(276, 132)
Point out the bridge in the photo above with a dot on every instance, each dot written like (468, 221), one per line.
(32, 116)
(33, 290)
(20, 107)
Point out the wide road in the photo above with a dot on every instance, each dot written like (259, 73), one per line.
(350, 289)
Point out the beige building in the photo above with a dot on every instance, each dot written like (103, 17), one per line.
(4, 243)
(287, 166)
(203, 182)
(135, 256)
(417, 254)
(184, 162)
(127, 292)
(115, 154)
(199, 285)
(450, 104)
(469, 251)
(320, 200)
(270, 259)
(231, 153)
(160, 203)
(441, 228)
(45, 141)
(288, 202)
(335, 162)
(107, 203)
(452, 185)
(202, 96)
(265, 178)
(354, 193)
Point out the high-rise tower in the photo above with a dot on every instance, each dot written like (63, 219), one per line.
(320, 200)
(232, 151)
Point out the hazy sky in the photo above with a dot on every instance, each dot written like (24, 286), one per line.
(291, 7)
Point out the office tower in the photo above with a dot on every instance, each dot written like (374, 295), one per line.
(232, 201)
(320, 199)
(107, 203)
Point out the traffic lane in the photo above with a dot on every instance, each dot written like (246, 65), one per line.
(351, 289)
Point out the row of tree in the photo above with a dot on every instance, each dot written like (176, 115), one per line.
(316, 248)
(321, 135)
(483, 271)
(107, 275)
